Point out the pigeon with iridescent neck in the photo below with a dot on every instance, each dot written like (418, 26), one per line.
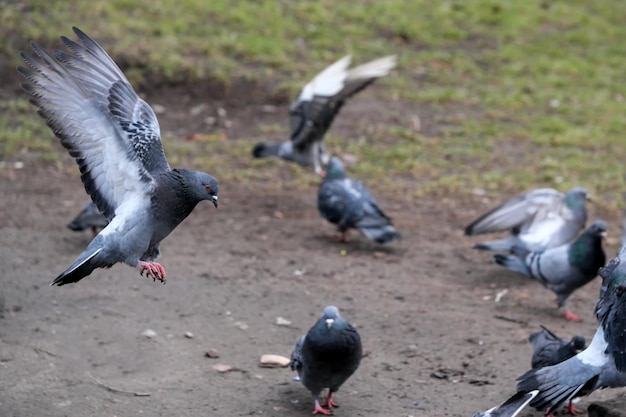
(603, 363)
(114, 136)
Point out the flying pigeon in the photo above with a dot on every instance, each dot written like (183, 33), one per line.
(348, 204)
(562, 269)
(511, 407)
(326, 357)
(114, 136)
(312, 113)
(549, 349)
(603, 363)
(89, 218)
(538, 219)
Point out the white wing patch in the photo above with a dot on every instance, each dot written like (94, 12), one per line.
(595, 354)
(328, 82)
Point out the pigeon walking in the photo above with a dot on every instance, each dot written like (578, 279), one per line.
(565, 268)
(326, 357)
(511, 407)
(312, 113)
(603, 363)
(348, 204)
(538, 219)
(549, 349)
(114, 136)
(88, 218)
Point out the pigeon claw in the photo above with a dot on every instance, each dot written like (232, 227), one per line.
(570, 409)
(329, 403)
(319, 409)
(571, 316)
(153, 270)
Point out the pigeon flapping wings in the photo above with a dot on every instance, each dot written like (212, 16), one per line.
(114, 136)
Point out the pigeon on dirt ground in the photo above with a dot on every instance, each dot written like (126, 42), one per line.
(538, 219)
(326, 357)
(565, 268)
(114, 136)
(348, 204)
(549, 349)
(603, 363)
(312, 113)
(89, 218)
(511, 407)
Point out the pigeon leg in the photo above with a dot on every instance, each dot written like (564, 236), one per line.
(571, 316)
(343, 237)
(319, 409)
(570, 409)
(153, 270)
(329, 401)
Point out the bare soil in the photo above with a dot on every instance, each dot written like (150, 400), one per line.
(437, 343)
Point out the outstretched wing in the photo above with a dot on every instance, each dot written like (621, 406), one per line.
(520, 212)
(319, 101)
(91, 107)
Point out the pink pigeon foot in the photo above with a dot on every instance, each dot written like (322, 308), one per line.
(570, 409)
(153, 270)
(571, 316)
(319, 409)
(329, 403)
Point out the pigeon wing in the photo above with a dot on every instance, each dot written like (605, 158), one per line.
(90, 106)
(519, 212)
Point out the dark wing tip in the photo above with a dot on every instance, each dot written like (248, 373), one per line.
(259, 150)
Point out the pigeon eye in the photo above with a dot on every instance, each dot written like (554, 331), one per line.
(207, 187)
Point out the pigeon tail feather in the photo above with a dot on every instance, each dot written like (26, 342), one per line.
(265, 150)
(513, 263)
(81, 267)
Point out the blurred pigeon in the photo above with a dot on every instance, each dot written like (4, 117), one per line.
(348, 204)
(603, 363)
(316, 107)
(114, 136)
(89, 218)
(562, 269)
(538, 219)
(549, 349)
(511, 407)
(326, 357)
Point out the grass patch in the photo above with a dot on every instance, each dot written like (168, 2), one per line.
(524, 93)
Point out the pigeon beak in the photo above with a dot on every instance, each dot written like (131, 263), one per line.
(603, 235)
(329, 322)
(214, 200)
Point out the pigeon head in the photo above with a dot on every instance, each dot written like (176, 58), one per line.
(210, 186)
(330, 316)
(576, 197)
(598, 228)
(335, 169)
(198, 186)
(578, 342)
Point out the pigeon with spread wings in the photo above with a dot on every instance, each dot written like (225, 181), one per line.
(312, 113)
(115, 138)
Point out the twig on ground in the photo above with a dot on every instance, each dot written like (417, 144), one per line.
(119, 391)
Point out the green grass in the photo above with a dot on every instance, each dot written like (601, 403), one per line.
(525, 93)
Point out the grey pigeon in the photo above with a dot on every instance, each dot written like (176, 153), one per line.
(538, 219)
(326, 357)
(312, 113)
(88, 218)
(603, 363)
(565, 268)
(511, 407)
(348, 204)
(549, 349)
(114, 136)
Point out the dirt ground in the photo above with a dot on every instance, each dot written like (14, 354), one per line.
(424, 306)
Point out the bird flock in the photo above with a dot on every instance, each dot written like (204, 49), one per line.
(136, 200)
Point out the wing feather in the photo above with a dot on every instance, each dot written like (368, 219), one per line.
(91, 107)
